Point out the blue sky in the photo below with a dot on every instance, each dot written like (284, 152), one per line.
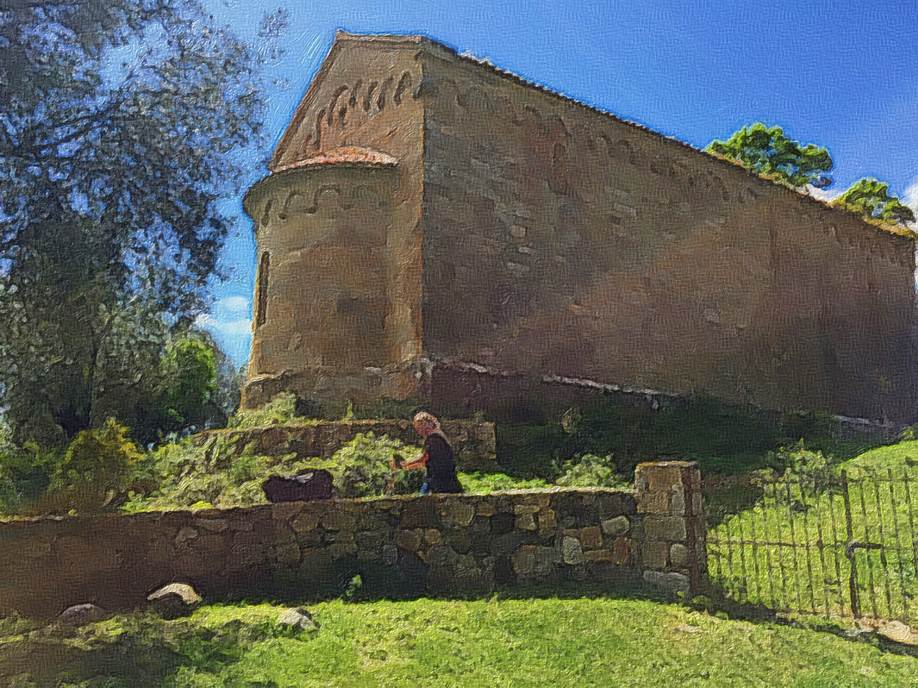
(843, 74)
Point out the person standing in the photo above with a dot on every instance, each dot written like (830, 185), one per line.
(437, 458)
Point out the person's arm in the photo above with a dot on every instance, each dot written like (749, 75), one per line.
(419, 464)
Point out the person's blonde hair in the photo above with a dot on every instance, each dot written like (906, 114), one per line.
(425, 418)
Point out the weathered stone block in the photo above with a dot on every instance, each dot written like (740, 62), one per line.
(598, 555)
(420, 513)
(305, 521)
(621, 552)
(519, 509)
(339, 519)
(284, 511)
(653, 503)
(457, 513)
(533, 561)
(671, 528)
(571, 550)
(184, 535)
(654, 554)
(502, 523)
(214, 525)
(526, 521)
(678, 555)
(502, 545)
(486, 508)
(409, 540)
(286, 554)
(670, 582)
(371, 539)
(616, 526)
(591, 537)
(547, 520)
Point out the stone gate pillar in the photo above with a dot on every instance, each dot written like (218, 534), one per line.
(673, 555)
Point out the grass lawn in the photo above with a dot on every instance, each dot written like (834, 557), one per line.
(498, 642)
(884, 509)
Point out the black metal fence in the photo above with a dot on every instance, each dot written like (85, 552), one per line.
(833, 545)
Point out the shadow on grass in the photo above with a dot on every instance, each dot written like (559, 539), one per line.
(142, 650)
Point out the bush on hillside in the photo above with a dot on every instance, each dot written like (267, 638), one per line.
(25, 472)
(479, 482)
(800, 461)
(590, 470)
(98, 465)
(361, 468)
(281, 410)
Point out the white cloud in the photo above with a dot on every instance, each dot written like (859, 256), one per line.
(232, 327)
(824, 195)
(232, 305)
(910, 197)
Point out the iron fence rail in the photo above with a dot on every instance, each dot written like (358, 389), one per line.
(824, 544)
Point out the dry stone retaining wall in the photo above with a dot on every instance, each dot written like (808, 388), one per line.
(473, 441)
(438, 544)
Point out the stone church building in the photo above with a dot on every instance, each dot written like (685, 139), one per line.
(436, 229)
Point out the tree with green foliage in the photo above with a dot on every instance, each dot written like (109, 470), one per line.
(119, 120)
(870, 197)
(768, 152)
(188, 384)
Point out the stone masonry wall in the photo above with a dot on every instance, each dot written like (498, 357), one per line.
(562, 241)
(473, 442)
(447, 544)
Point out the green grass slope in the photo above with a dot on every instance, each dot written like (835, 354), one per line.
(499, 642)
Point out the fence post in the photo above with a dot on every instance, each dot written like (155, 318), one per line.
(673, 553)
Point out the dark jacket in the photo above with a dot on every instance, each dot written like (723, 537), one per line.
(441, 465)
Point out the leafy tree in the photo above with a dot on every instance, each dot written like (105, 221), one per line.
(118, 125)
(870, 197)
(768, 152)
(189, 384)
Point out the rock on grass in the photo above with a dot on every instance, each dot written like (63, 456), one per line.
(174, 600)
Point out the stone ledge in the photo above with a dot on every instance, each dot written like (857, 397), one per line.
(473, 442)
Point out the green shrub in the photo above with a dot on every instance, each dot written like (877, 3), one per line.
(479, 482)
(217, 474)
(361, 468)
(25, 472)
(281, 410)
(590, 470)
(98, 464)
(799, 460)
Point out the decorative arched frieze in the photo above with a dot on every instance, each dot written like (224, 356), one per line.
(266, 213)
(318, 129)
(333, 103)
(621, 150)
(352, 101)
(383, 93)
(403, 83)
(368, 96)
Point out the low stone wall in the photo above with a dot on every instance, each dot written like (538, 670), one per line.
(437, 544)
(473, 441)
